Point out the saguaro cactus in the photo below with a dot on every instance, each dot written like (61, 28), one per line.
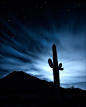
(56, 69)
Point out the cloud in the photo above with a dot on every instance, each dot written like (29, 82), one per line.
(26, 49)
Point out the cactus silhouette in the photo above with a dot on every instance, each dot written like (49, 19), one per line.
(56, 69)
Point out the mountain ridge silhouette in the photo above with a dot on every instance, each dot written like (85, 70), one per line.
(20, 78)
(21, 88)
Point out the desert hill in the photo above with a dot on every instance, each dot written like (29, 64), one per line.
(19, 89)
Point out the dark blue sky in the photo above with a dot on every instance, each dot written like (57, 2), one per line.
(28, 31)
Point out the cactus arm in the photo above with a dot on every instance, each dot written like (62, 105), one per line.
(60, 67)
(50, 63)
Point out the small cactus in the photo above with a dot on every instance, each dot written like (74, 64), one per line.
(56, 69)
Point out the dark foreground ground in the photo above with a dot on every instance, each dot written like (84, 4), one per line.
(22, 90)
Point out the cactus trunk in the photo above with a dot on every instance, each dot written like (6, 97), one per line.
(56, 69)
(56, 73)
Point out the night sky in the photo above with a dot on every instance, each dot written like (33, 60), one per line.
(29, 28)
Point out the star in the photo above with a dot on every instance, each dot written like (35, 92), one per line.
(8, 20)
(22, 7)
(45, 2)
(36, 6)
(68, 11)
